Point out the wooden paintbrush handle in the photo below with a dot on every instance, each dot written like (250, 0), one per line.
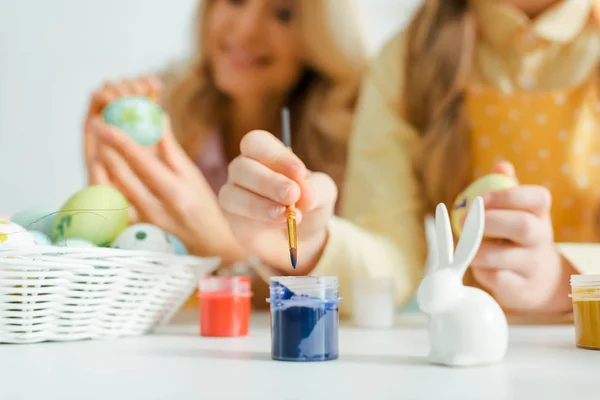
(291, 226)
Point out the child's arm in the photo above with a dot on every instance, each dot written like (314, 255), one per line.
(384, 231)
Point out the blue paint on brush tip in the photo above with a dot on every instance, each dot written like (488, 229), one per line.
(293, 257)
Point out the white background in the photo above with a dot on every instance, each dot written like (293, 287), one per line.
(54, 53)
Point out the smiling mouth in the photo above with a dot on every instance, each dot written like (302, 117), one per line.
(245, 59)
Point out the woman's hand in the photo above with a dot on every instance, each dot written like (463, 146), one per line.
(110, 91)
(263, 180)
(523, 269)
(168, 191)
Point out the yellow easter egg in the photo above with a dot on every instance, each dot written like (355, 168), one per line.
(481, 186)
(97, 214)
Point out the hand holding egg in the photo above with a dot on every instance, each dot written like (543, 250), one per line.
(132, 148)
(167, 191)
(518, 261)
(149, 87)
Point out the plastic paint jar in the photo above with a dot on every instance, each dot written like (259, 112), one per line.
(373, 302)
(304, 318)
(224, 303)
(585, 294)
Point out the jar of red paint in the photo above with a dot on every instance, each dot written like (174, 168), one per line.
(224, 303)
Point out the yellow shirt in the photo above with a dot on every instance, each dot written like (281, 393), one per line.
(383, 233)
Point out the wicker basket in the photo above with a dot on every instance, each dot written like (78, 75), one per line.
(66, 294)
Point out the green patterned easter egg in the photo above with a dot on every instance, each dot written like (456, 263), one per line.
(139, 117)
(97, 214)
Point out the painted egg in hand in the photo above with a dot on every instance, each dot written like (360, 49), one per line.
(481, 186)
(145, 237)
(13, 235)
(137, 116)
(97, 214)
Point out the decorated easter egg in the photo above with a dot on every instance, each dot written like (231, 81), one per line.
(177, 244)
(74, 242)
(143, 237)
(481, 186)
(13, 235)
(37, 218)
(139, 117)
(97, 214)
(41, 238)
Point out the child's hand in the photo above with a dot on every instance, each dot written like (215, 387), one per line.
(524, 271)
(110, 91)
(263, 180)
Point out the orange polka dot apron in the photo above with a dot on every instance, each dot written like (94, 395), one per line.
(552, 139)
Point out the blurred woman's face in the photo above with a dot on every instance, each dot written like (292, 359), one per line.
(253, 47)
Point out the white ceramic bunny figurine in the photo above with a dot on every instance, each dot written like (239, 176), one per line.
(467, 326)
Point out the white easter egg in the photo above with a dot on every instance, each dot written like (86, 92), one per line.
(13, 235)
(145, 237)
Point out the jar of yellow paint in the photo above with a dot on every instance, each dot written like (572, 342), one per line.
(585, 294)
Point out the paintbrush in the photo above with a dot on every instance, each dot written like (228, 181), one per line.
(290, 211)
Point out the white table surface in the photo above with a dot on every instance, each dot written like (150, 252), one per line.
(175, 363)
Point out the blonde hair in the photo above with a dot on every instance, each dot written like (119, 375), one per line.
(324, 98)
(440, 45)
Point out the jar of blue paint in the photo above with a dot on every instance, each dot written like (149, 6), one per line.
(304, 318)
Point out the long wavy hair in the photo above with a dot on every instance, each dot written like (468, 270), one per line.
(323, 99)
(440, 40)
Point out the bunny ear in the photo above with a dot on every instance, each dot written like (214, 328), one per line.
(470, 238)
(443, 233)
